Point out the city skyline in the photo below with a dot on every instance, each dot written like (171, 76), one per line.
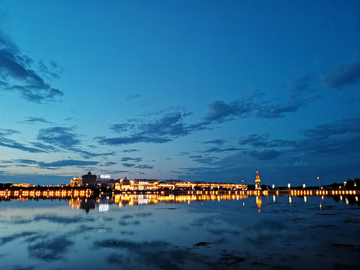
(193, 90)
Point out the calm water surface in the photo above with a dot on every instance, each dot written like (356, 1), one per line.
(232, 234)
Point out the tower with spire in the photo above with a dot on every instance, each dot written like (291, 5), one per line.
(257, 181)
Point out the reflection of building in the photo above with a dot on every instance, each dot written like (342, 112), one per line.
(89, 179)
(257, 181)
(258, 202)
(104, 205)
(74, 203)
(87, 204)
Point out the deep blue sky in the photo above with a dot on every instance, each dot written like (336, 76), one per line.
(191, 90)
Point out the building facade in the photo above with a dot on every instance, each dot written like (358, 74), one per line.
(89, 179)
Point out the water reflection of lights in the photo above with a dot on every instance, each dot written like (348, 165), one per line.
(85, 200)
(258, 202)
(142, 201)
(103, 207)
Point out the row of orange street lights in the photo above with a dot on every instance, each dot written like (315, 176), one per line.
(46, 193)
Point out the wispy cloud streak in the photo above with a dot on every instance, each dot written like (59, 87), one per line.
(17, 73)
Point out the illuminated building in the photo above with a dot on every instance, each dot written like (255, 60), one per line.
(24, 185)
(257, 181)
(117, 186)
(76, 182)
(124, 184)
(144, 184)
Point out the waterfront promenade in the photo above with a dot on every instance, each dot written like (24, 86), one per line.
(82, 192)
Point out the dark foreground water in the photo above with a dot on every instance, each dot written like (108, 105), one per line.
(294, 233)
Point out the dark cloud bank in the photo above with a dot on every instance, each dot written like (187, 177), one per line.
(19, 74)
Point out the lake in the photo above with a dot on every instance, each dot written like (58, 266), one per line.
(143, 232)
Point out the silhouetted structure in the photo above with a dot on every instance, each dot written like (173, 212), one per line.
(89, 179)
(87, 204)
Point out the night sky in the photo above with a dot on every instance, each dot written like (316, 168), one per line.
(190, 90)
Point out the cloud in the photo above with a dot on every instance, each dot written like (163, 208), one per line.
(122, 127)
(6, 132)
(343, 75)
(15, 145)
(18, 267)
(264, 155)
(204, 160)
(220, 112)
(222, 231)
(130, 140)
(87, 154)
(66, 139)
(17, 74)
(55, 164)
(66, 163)
(196, 156)
(171, 125)
(278, 110)
(220, 150)
(44, 147)
(257, 140)
(217, 142)
(110, 163)
(144, 167)
(9, 143)
(26, 161)
(162, 130)
(59, 136)
(32, 120)
(338, 138)
(130, 150)
(132, 159)
(132, 97)
(129, 165)
(301, 85)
